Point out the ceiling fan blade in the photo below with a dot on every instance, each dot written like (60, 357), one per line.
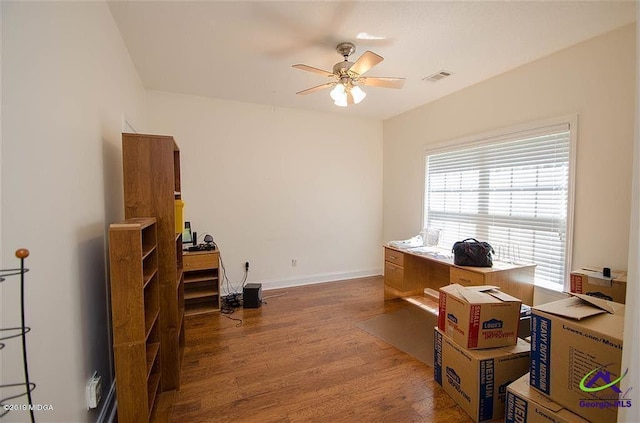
(315, 70)
(368, 60)
(302, 34)
(383, 82)
(316, 88)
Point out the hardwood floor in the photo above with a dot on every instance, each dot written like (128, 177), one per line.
(300, 357)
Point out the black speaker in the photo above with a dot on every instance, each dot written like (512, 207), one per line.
(252, 295)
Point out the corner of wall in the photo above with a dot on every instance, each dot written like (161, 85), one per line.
(631, 353)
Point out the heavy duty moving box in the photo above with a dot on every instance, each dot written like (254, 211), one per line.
(576, 356)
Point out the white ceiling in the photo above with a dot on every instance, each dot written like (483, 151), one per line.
(243, 51)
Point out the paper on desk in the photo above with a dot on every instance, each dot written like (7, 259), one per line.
(416, 241)
(431, 251)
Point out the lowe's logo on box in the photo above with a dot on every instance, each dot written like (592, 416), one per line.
(454, 380)
(492, 324)
(452, 317)
(453, 376)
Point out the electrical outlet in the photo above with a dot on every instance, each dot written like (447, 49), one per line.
(246, 266)
(94, 391)
(294, 262)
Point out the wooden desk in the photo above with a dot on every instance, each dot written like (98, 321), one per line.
(201, 282)
(408, 273)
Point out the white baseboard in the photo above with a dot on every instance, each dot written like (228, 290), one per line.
(317, 278)
(541, 295)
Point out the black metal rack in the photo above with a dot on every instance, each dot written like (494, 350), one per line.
(23, 388)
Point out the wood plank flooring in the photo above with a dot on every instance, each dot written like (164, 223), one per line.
(300, 358)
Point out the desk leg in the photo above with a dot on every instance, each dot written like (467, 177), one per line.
(391, 293)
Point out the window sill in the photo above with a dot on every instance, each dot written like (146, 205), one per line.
(546, 293)
(549, 286)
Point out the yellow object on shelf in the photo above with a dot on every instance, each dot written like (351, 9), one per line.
(179, 216)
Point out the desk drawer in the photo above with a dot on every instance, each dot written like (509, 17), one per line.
(200, 260)
(393, 275)
(465, 277)
(394, 257)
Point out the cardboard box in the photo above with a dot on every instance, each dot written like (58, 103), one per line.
(576, 355)
(526, 405)
(593, 283)
(478, 316)
(477, 379)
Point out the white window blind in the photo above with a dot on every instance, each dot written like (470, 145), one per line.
(511, 191)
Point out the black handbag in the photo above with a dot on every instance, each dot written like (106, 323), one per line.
(471, 252)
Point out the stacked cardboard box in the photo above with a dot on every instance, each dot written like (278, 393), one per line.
(478, 316)
(477, 352)
(477, 379)
(576, 356)
(595, 284)
(524, 404)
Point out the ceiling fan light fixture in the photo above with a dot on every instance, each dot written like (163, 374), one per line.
(341, 100)
(337, 92)
(340, 94)
(358, 94)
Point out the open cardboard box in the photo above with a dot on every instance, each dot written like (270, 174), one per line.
(593, 283)
(576, 355)
(478, 316)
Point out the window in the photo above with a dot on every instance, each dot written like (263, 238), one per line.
(513, 191)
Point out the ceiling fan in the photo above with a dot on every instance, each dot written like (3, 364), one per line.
(347, 76)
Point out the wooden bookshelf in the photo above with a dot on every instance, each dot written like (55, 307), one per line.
(151, 174)
(135, 308)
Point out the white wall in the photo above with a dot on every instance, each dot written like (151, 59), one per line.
(1, 325)
(631, 352)
(67, 83)
(274, 184)
(595, 79)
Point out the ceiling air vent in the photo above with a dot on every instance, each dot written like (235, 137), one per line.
(437, 76)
